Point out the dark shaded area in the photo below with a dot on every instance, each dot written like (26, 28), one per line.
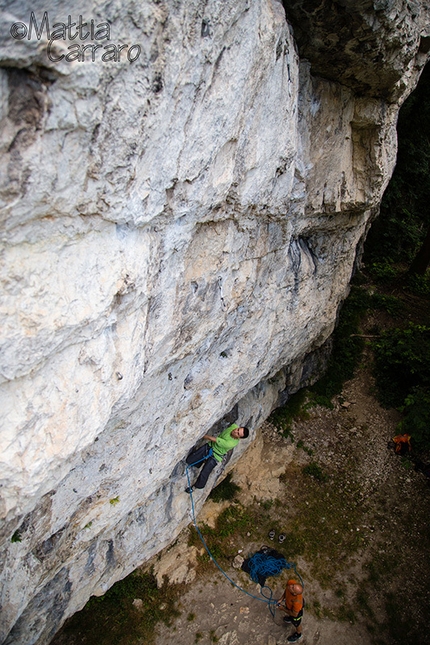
(402, 226)
(355, 42)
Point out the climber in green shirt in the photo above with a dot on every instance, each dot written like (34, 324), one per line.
(212, 453)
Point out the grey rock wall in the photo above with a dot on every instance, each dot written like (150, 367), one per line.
(177, 235)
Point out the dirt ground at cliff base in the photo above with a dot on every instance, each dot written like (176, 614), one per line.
(358, 533)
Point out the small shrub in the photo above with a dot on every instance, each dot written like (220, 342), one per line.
(226, 490)
(420, 284)
(390, 304)
(417, 417)
(16, 537)
(402, 362)
(382, 271)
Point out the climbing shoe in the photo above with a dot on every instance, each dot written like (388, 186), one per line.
(287, 619)
(294, 638)
(272, 534)
(189, 490)
(281, 538)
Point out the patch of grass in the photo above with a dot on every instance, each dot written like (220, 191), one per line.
(16, 537)
(191, 616)
(326, 511)
(198, 637)
(307, 450)
(226, 490)
(114, 500)
(214, 638)
(316, 608)
(112, 618)
(362, 600)
(294, 544)
(346, 614)
(234, 521)
(267, 504)
(315, 471)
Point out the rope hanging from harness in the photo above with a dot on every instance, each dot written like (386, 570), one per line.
(271, 602)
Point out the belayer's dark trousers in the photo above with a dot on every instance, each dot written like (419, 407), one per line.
(208, 464)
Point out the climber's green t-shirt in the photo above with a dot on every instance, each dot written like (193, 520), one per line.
(224, 442)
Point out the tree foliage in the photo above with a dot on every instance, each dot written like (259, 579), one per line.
(402, 366)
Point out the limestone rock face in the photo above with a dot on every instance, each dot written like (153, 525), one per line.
(178, 230)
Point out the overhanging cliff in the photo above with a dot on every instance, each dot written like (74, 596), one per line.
(178, 232)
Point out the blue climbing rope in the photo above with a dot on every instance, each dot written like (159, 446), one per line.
(260, 565)
(271, 602)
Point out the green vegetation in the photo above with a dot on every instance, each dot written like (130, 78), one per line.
(348, 345)
(225, 491)
(419, 284)
(114, 500)
(402, 362)
(16, 537)
(347, 341)
(416, 421)
(113, 620)
(315, 471)
(402, 367)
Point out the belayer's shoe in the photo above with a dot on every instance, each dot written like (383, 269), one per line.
(294, 638)
(189, 490)
(287, 619)
(272, 534)
(281, 538)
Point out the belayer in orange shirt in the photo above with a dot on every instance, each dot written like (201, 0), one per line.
(292, 603)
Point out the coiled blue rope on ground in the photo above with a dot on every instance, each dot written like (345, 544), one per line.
(260, 565)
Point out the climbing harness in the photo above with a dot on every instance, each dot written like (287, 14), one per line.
(269, 569)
